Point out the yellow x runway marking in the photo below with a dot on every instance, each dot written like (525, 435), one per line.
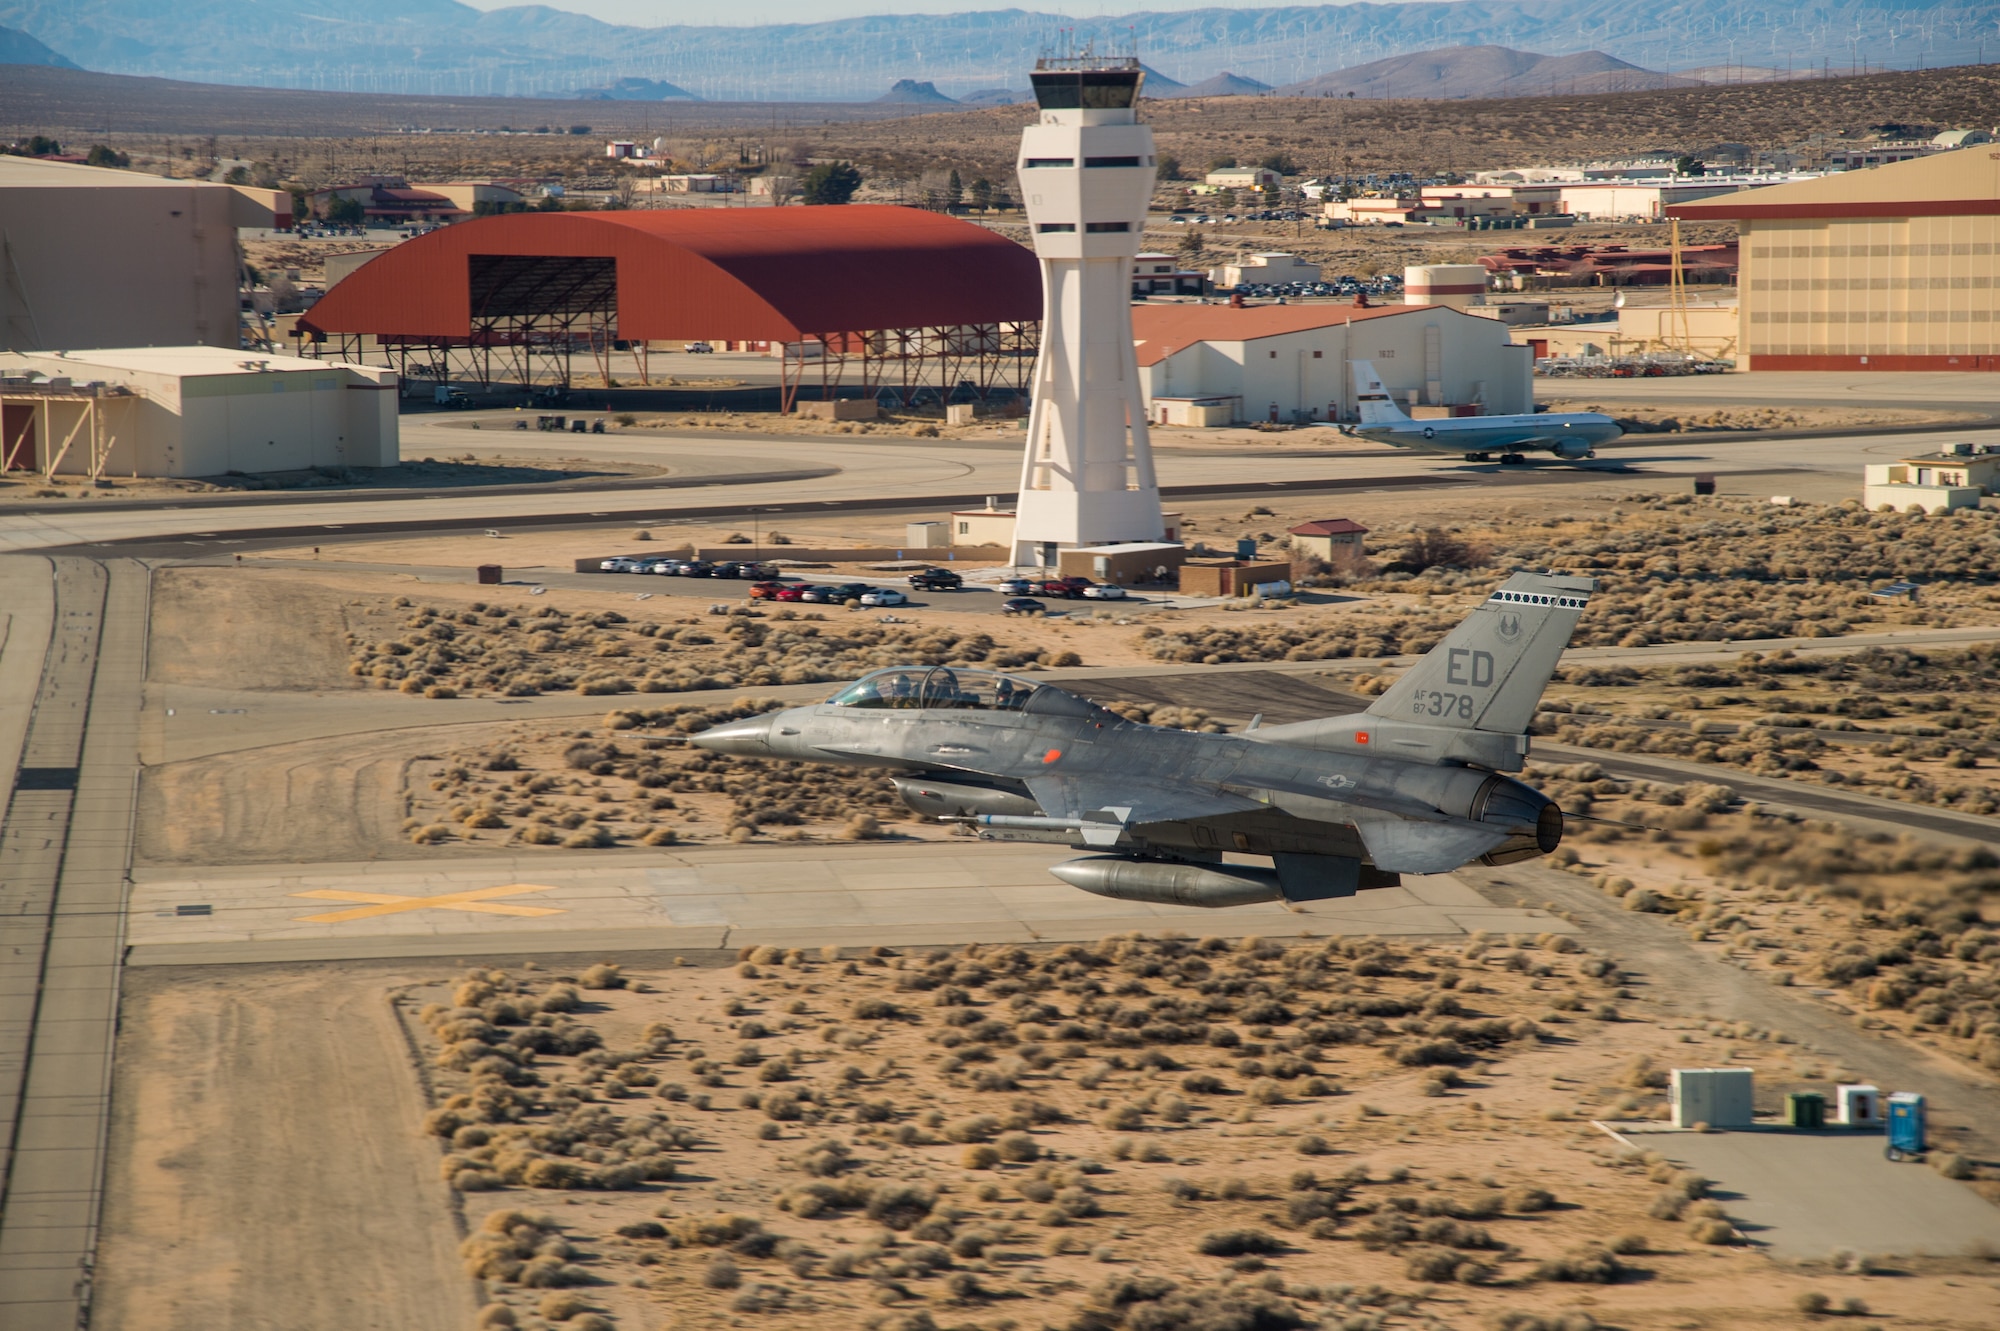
(478, 901)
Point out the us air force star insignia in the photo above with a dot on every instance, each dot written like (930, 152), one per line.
(1510, 627)
(1430, 433)
(1336, 781)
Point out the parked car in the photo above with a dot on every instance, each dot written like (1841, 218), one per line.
(694, 568)
(1022, 605)
(1068, 589)
(664, 567)
(795, 591)
(698, 348)
(765, 591)
(884, 596)
(618, 564)
(1104, 591)
(1012, 587)
(726, 569)
(837, 593)
(936, 580)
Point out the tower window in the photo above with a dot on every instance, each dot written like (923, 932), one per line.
(1106, 226)
(1051, 161)
(1109, 161)
(1045, 228)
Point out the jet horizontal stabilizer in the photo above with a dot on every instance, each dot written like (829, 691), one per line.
(1398, 845)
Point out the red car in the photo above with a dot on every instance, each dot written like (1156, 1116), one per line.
(766, 591)
(791, 592)
(1068, 589)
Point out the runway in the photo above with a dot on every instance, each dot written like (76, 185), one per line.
(699, 900)
(64, 855)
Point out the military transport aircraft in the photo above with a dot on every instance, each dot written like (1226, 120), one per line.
(1412, 785)
(1571, 435)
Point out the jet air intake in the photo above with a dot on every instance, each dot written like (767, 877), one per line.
(1166, 883)
(961, 799)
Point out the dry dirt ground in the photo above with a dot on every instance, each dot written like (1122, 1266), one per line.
(1133, 1134)
(263, 1173)
(319, 139)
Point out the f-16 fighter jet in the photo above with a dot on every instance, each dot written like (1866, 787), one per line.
(1412, 785)
(1570, 435)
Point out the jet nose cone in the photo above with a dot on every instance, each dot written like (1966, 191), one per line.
(751, 738)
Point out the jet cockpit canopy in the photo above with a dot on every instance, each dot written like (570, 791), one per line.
(950, 688)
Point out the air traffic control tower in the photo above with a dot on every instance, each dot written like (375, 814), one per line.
(1086, 173)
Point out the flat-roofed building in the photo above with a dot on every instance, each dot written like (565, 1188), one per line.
(1958, 476)
(1890, 268)
(191, 411)
(1244, 177)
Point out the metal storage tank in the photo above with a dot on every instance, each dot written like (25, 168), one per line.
(1455, 284)
(1719, 1097)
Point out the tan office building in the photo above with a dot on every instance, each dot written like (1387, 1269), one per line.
(96, 257)
(1889, 268)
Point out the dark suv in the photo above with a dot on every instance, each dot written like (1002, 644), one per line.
(936, 580)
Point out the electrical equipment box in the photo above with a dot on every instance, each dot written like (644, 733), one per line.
(1719, 1097)
(1805, 1110)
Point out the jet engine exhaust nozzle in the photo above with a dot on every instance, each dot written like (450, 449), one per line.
(1166, 883)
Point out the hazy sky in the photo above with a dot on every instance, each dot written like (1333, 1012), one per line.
(662, 13)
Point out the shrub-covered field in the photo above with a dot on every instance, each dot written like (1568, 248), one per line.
(1912, 725)
(1142, 1133)
(522, 650)
(1896, 928)
(1669, 570)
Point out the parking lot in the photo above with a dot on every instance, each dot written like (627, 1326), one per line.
(822, 591)
(1808, 1195)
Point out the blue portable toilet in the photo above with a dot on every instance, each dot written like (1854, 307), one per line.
(1906, 1126)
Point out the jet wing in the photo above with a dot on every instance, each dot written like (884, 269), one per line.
(1132, 802)
(1401, 835)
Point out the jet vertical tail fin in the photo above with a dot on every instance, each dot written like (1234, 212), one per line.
(1489, 673)
(1377, 407)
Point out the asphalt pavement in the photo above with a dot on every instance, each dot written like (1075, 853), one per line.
(64, 857)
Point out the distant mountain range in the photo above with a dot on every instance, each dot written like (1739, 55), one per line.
(636, 90)
(445, 47)
(1486, 71)
(18, 48)
(1224, 84)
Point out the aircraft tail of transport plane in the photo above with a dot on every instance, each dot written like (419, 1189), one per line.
(1416, 783)
(1570, 436)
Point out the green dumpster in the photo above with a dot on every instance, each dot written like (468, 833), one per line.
(1805, 1109)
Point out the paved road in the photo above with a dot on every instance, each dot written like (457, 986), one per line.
(883, 474)
(64, 855)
